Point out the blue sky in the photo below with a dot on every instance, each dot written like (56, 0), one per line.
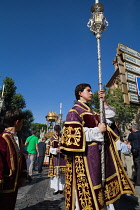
(47, 48)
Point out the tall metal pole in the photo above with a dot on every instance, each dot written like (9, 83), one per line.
(2, 99)
(97, 24)
(60, 115)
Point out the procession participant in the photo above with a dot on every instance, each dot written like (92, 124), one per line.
(57, 162)
(81, 140)
(13, 171)
(46, 158)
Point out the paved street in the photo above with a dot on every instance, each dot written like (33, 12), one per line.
(38, 196)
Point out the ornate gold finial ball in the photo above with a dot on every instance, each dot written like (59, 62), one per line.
(52, 117)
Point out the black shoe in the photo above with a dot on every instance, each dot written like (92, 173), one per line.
(29, 178)
(136, 184)
(55, 193)
(60, 191)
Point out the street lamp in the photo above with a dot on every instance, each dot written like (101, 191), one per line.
(97, 24)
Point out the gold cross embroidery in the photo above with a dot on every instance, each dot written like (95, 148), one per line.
(71, 136)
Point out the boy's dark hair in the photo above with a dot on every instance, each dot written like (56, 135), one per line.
(44, 139)
(33, 132)
(81, 88)
(57, 128)
(11, 117)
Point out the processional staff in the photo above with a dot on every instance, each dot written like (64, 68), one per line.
(2, 98)
(58, 160)
(97, 24)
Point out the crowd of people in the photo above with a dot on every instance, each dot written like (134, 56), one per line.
(129, 151)
(74, 157)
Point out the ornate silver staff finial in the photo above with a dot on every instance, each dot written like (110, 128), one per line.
(97, 24)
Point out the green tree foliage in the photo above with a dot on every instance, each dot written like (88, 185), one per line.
(13, 100)
(124, 113)
(38, 127)
(95, 102)
(18, 102)
(26, 129)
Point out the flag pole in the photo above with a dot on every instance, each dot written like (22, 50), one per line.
(97, 24)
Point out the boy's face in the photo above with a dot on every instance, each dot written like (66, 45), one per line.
(86, 94)
(57, 132)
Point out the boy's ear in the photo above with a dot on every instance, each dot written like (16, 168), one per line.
(16, 122)
(80, 93)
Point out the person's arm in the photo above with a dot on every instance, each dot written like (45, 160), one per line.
(37, 149)
(130, 137)
(96, 133)
(54, 151)
(44, 148)
(37, 146)
(26, 143)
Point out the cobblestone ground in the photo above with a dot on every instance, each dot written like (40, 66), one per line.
(38, 196)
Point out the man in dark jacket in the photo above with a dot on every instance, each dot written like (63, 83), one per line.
(134, 139)
(41, 150)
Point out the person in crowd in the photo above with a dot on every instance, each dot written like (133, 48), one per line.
(128, 158)
(13, 171)
(134, 139)
(82, 139)
(32, 148)
(57, 162)
(41, 155)
(124, 152)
